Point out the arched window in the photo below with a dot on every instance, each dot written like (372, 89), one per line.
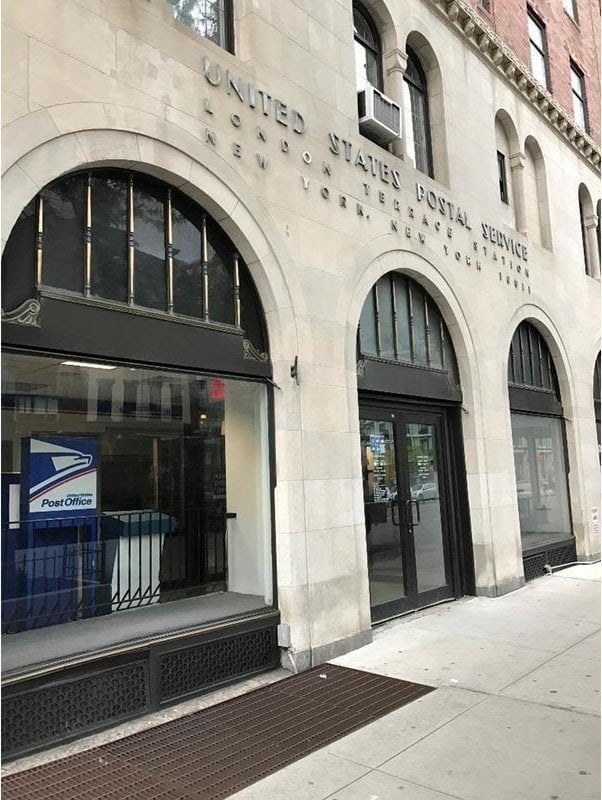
(539, 453)
(122, 238)
(368, 53)
(418, 135)
(135, 405)
(506, 143)
(401, 323)
(213, 19)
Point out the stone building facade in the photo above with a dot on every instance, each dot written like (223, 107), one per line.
(464, 409)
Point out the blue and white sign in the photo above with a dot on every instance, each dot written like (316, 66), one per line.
(59, 477)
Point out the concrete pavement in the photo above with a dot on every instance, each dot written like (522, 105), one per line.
(516, 715)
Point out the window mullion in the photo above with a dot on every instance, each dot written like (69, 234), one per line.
(169, 254)
(131, 251)
(88, 238)
(39, 241)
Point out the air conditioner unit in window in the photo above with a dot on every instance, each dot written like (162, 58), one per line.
(380, 117)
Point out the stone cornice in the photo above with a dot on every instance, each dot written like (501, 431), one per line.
(473, 28)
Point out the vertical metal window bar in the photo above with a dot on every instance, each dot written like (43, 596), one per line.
(39, 241)
(442, 340)
(204, 268)
(550, 373)
(236, 291)
(169, 254)
(411, 321)
(426, 330)
(88, 238)
(131, 263)
(376, 318)
(394, 313)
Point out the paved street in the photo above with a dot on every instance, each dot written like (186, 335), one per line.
(516, 715)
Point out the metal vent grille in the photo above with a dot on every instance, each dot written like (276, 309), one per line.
(534, 563)
(535, 566)
(65, 709)
(194, 668)
(386, 112)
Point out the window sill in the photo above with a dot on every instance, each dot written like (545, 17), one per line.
(73, 643)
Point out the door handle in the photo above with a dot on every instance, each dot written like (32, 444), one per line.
(412, 520)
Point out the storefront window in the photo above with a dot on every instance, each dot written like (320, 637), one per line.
(540, 480)
(126, 487)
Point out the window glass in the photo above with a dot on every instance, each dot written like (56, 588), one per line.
(220, 268)
(435, 336)
(161, 457)
(385, 317)
(419, 326)
(367, 52)
(207, 17)
(19, 258)
(64, 224)
(538, 49)
(570, 7)
(578, 92)
(403, 319)
(368, 327)
(109, 237)
(503, 184)
(150, 273)
(416, 114)
(541, 485)
(186, 233)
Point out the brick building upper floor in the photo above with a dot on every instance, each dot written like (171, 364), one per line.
(559, 40)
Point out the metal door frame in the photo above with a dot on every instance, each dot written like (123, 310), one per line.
(457, 544)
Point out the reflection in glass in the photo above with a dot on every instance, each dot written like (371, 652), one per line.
(64, 223)
(424, 490)
(385, 313)
(381, 508)
(150, 276)
(18, 284)
(109, 238)
(188, 296)
(176, 453)
(541, 486)
(207, 17)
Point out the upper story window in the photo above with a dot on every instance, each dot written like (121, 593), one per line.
(570, 6)
(418, 138)
(578, 92)
(502, 177)
(211, 18)
(537, 41)
(368, 54)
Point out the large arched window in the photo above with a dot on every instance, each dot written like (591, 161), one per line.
(401, 324)
(368, 53)
(418, 135)
(120, 238)
(539, 453)
(134, 410)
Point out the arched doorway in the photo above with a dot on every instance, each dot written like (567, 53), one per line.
(540, 453)
(415, 500)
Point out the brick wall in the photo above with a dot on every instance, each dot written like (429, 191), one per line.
(567, 40)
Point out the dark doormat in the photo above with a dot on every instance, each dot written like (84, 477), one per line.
(216, 752)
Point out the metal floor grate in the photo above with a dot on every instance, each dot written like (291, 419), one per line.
(215, 752)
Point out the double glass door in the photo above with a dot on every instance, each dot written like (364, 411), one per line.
(407, 509)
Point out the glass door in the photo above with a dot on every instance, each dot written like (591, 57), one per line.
(407, 509)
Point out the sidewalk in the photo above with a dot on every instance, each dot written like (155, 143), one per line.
(516, 715)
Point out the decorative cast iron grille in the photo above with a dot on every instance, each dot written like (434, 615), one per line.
(195, 668)
(37, 717)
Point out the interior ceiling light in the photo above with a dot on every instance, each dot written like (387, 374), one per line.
(88, 364)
